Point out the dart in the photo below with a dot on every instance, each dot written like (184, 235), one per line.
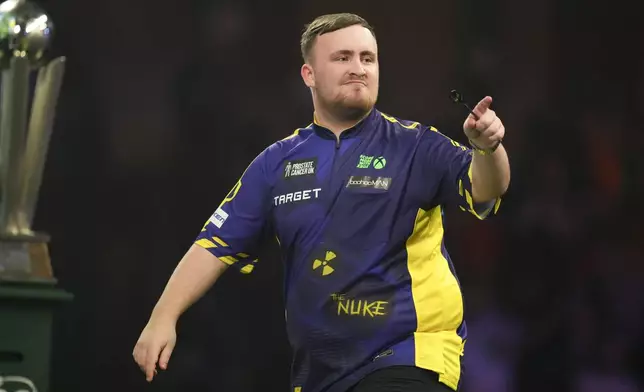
(457, 97)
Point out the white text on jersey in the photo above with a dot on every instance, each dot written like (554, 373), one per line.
(297, 196)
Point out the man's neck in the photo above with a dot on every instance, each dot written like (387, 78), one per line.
(333, 124)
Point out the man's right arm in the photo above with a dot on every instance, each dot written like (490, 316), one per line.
(194, 275)
(228, 238)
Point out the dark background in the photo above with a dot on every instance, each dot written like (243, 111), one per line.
(166, 102)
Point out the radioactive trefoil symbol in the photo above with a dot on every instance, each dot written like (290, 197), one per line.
(326, 268)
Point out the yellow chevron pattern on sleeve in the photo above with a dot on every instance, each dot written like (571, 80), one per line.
(228, 260)
(206, 243)
(220, 241)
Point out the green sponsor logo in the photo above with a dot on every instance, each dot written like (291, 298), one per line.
(379, 163)
(365, 162)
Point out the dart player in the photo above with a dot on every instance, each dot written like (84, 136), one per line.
(356, 202)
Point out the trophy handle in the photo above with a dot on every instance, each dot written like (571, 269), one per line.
(41, 122)
(14, 106)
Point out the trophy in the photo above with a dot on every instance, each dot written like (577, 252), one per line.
(26, 122)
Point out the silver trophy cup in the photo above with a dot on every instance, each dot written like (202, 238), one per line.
(26, 122)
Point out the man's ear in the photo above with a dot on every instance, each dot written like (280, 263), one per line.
(308, 76)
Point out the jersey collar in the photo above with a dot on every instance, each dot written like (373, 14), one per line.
(368, 122)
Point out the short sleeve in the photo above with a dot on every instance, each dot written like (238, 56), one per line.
(451, 163)
(233, 231)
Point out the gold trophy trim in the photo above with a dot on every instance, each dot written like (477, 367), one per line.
(25, 131)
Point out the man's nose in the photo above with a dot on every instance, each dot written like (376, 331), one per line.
(357, 68)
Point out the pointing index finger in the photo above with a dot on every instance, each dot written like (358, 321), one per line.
(483, 106)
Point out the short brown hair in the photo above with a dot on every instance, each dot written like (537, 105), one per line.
(328, 24)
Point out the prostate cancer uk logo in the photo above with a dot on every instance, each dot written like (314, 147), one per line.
(300, 168)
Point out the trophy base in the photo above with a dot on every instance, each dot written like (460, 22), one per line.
(25, 259)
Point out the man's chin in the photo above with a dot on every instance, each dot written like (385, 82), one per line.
(355, 109)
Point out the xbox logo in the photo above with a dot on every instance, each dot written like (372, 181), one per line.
(379, 163)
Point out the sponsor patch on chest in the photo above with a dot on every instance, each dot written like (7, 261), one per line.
(300, 168)
(297, 196)
(369, 182)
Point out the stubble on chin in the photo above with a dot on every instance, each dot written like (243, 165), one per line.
(352, 110)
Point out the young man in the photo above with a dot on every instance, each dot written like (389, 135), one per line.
(355, 200)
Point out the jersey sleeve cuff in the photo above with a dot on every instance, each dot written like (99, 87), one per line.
(218, 248)
(480, 210)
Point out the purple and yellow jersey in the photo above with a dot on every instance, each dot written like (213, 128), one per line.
(359, 220)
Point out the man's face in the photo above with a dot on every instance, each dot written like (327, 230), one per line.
(343, 71)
